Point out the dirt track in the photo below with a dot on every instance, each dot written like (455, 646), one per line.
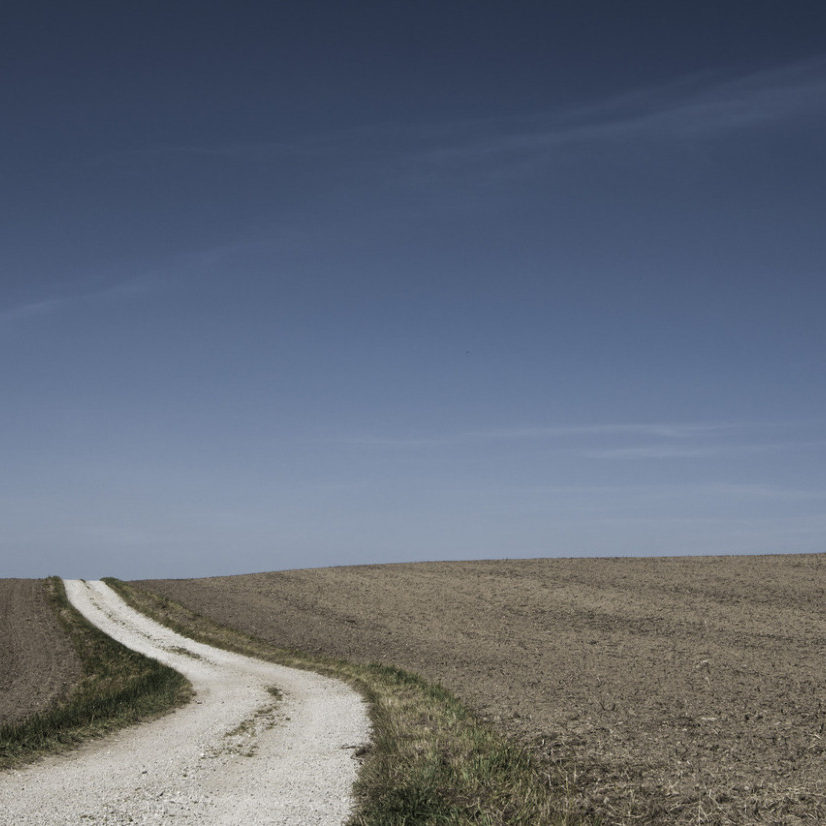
(37, 662)
(681, 691)
(234, 755)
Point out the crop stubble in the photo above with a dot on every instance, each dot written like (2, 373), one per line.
(38, 665)
(676, 690)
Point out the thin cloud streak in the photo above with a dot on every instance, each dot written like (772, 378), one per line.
(697, 106)
(551, 432)
(32, 309)
(154, 279)
(699, 452)
(391, 442)
(665, 430)
(653, 452)
(673, 441)
(687, 108)
(602, 497)
(51, 306)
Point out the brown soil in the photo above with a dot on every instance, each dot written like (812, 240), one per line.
(38, 664)
(663, 691)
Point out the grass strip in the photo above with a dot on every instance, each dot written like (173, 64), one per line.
(118, 687)
(431, 761)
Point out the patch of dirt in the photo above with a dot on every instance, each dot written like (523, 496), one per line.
(38, 664)
(661, 690)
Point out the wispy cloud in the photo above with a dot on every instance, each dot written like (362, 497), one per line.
(32, 309)
(697, 107)
(665, 430)
(616, 441)
(150, 279)
(393, 442)
(653, 452)
(597, 495)
(51, 306)
(667, 451)
(557, 433)
(763, 491)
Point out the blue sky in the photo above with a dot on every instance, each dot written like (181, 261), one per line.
(289, 285)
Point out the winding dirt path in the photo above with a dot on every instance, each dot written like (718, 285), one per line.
(234, 755)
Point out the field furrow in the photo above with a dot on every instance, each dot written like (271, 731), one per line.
(38, 665)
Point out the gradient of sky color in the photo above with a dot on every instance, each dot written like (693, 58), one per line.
(300, 284)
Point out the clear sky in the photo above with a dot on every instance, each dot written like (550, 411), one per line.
(312, 283)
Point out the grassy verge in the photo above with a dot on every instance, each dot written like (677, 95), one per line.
(118, 687)
(431, 761)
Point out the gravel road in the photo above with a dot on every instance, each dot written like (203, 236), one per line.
(236, 754)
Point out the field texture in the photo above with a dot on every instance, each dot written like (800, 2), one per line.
(689, 690)
(38, 664)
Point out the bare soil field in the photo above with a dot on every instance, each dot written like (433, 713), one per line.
(661, 691)
(38, 664)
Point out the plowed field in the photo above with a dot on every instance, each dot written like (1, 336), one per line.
(37, 662)
(664, 691)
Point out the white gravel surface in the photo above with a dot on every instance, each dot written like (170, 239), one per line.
(235, 755)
